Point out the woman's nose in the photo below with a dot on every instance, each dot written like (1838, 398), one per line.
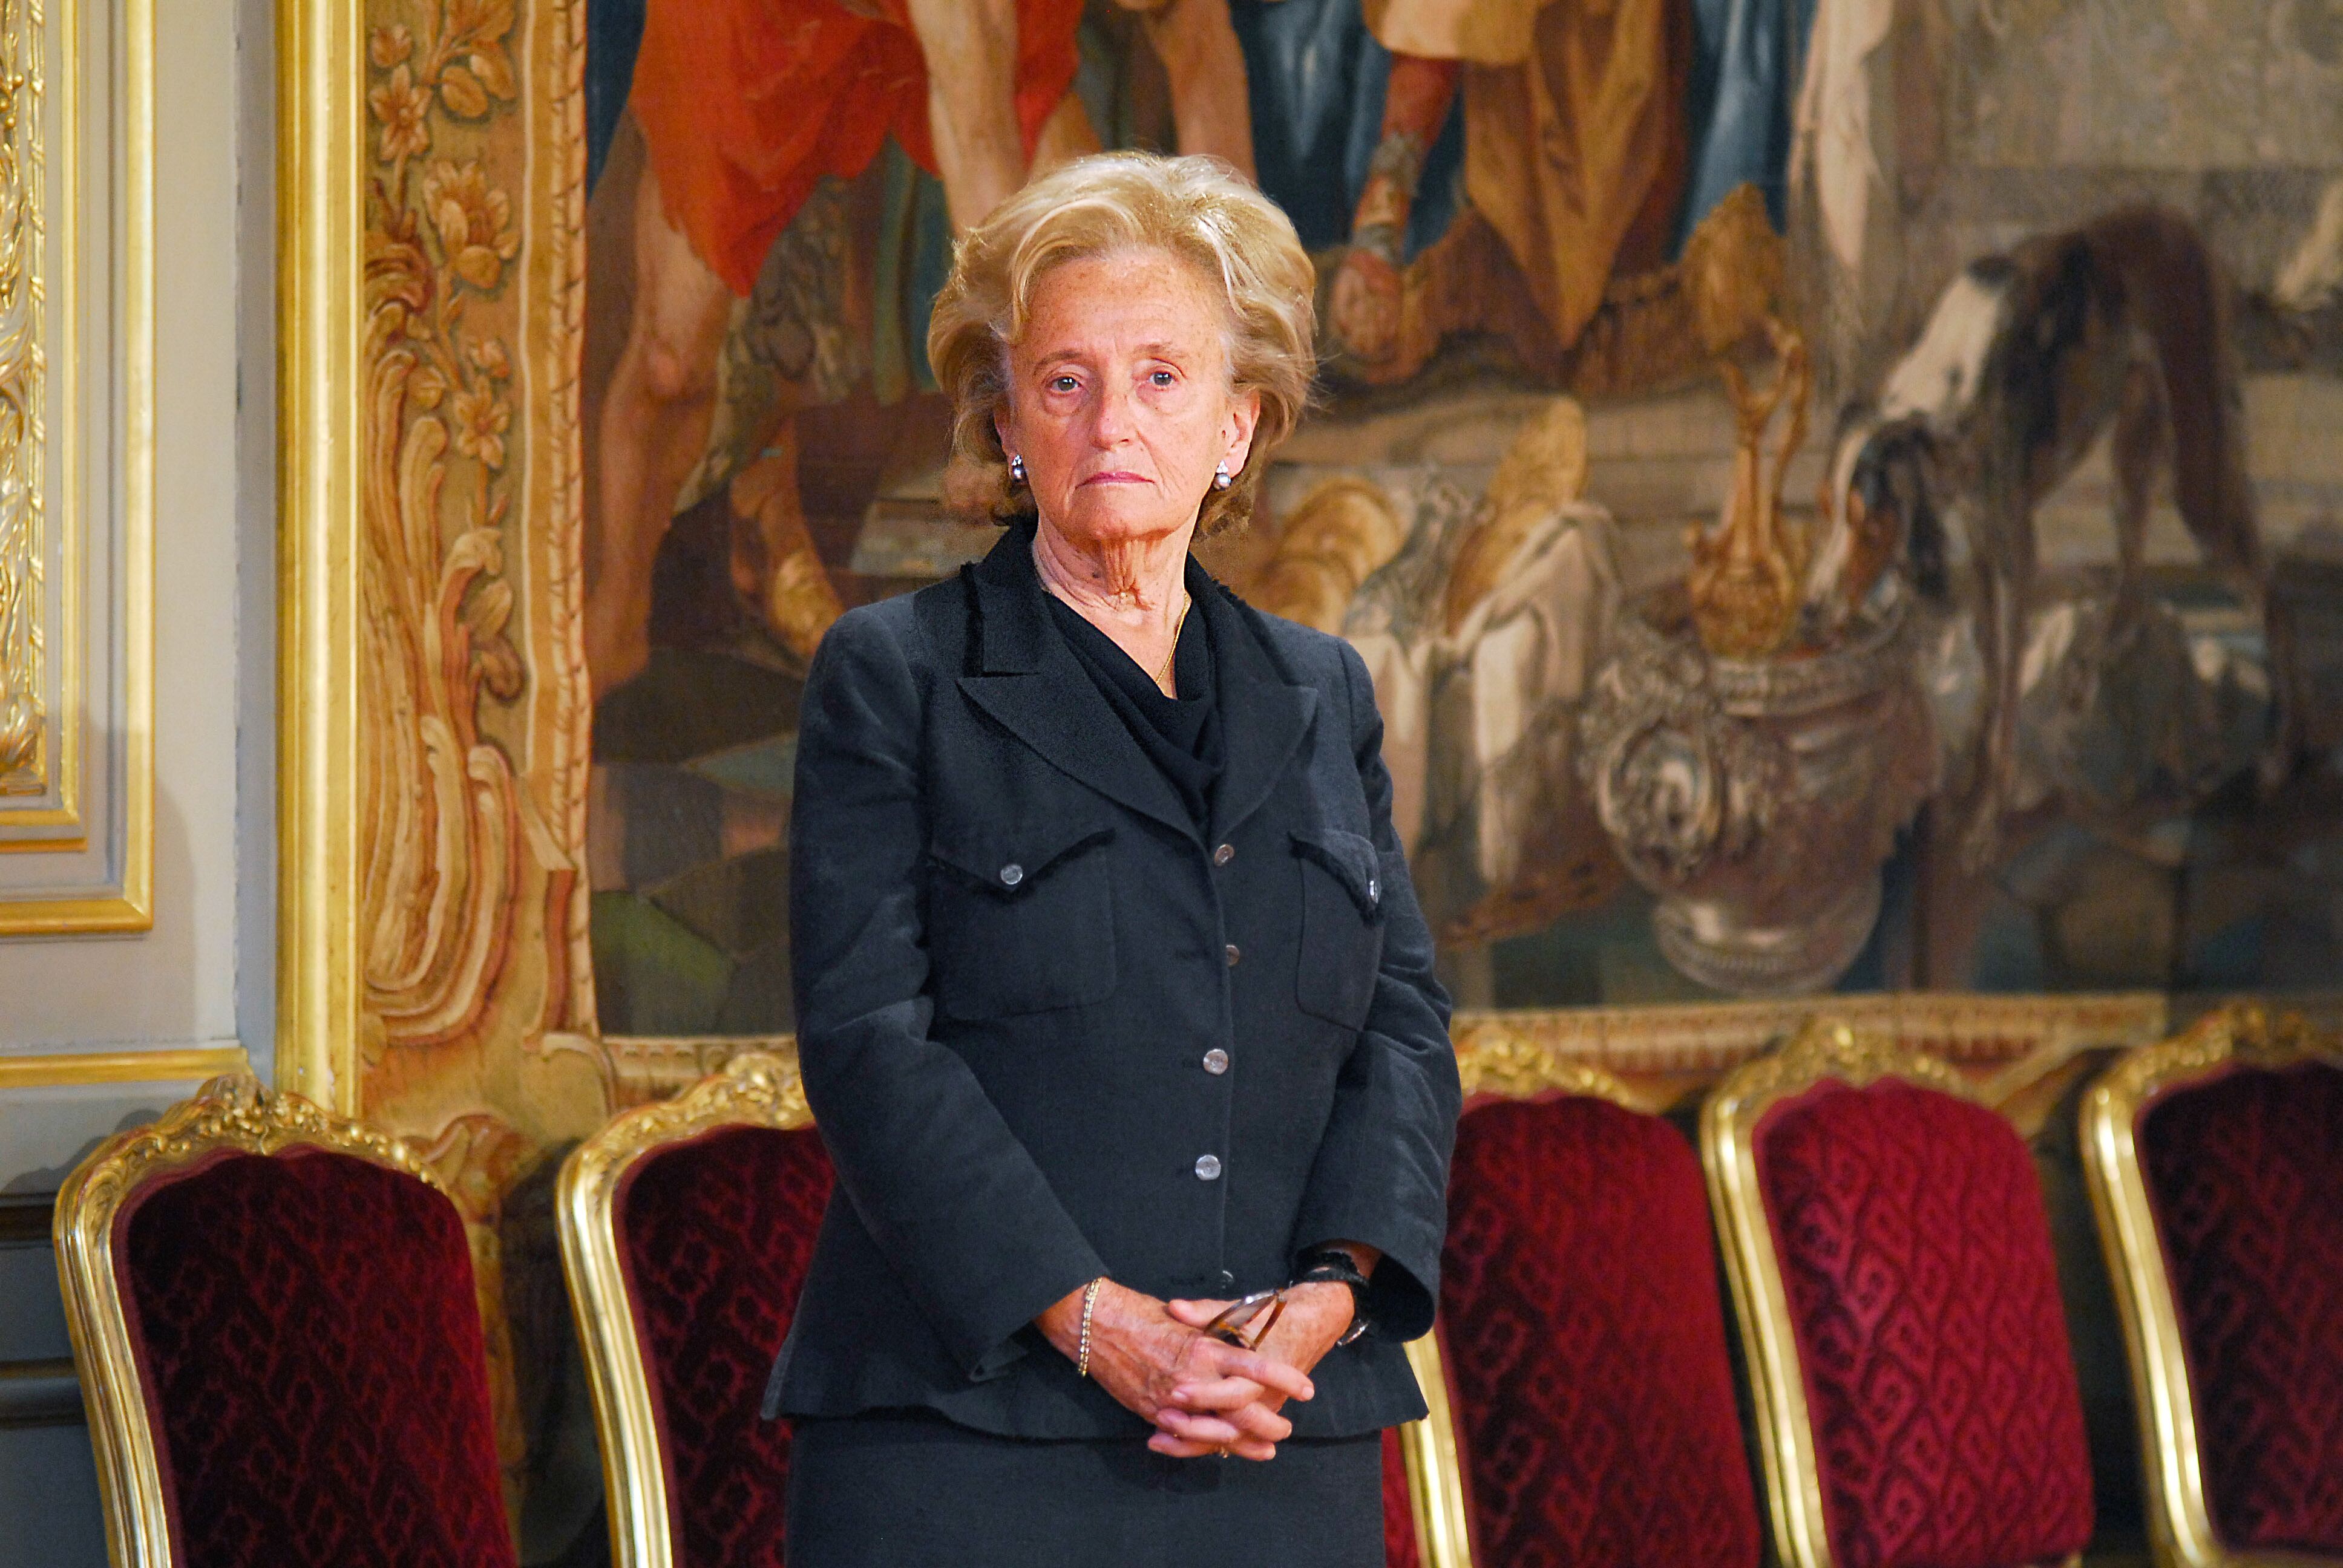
(1114, 423)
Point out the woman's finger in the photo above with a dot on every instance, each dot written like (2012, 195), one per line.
(1217, 1393)
(1216, 1430)
(1267, 1370)
(1226, 1427)
(1163, 1442)
(1196, 1315)
(1176, 1448)
(1260, 1421)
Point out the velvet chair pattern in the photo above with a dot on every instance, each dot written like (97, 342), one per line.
(274, 1319)
(1891, 1260)
(2216, 1167)
(1584, 1333)
(686, 1231)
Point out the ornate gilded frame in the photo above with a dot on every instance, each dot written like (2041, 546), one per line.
(2180, 1521)
(755, 1089)
(1825, 1048)
(77, 447)
(228, 1114)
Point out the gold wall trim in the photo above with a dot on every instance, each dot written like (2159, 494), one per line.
(1705, 1038)
(320, 251)
(2181, 1533)
(1662, 1053)
(227, 1113)
(189, 1064)
(35, 754)
(127, 903)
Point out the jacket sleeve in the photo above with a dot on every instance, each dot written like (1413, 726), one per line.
(1381, 1172)
(951, 1197)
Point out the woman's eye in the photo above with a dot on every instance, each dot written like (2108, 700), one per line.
(1062, 383)
(1163, 378)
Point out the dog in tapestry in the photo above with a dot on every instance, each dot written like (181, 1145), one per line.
(2120, 325)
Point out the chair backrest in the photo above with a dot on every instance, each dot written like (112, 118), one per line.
(1583, 1332)
(273, 1319)
(686, 1231)
(2217, 1170)
(1898, 1295)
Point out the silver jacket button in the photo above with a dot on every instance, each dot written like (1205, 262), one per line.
(1208, 1167)
(1374, 890)
(1216, 1061)
(1012, 874)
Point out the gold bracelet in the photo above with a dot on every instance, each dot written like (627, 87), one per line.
(1089, 1300)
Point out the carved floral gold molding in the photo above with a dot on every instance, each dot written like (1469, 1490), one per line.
(24, 761)
(77, 610)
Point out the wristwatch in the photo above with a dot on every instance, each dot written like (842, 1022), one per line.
(1334, 1266)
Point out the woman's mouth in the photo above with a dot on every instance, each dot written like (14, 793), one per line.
(1116, 477)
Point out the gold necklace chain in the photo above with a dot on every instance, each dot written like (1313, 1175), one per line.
(1164, 676)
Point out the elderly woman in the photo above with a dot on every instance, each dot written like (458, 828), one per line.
(1115, 1006)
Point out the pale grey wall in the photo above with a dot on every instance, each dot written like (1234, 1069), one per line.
(202, 976)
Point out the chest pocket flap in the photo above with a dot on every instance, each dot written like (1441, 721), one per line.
(1352, 858)
(1021, 917)
(1342, 924)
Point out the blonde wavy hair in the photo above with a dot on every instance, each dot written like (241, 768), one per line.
(1197, 209)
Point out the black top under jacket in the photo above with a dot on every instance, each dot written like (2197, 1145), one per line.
(1181, 735)
(1019, 959)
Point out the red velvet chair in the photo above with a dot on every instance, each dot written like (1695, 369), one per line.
(1898, 1296)
(279, 1346)
(1583, 1334)
(2217, 1170)
(686, 1229)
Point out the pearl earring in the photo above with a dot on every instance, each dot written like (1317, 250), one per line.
(1222, 479)
(1017, 470)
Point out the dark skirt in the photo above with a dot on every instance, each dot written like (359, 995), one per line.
(906, 1490)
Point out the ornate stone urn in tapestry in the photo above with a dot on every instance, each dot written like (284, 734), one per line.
(1754, 785)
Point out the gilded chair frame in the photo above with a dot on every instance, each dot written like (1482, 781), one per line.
(754, 1089)
(1823, 1048)
(230, 1113)
(2180, 1521)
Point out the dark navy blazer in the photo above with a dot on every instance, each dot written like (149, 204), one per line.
(1015, 952)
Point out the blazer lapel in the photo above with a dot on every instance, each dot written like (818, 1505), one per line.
(1263, 716)
(1025, 676)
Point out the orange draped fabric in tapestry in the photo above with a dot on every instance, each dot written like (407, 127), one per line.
(745, 103)
(715, 1235)
(1574, 145)
(1584, 1344)
(1915, 1253)
(2245, 1177)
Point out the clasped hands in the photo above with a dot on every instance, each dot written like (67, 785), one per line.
(1202, 1395)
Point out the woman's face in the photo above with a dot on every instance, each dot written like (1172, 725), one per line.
(1118, 399)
